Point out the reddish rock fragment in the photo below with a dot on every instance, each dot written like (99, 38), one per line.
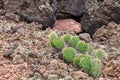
(67, 24)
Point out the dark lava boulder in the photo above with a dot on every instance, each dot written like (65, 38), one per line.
(68, 8)
(41, 11)
(98, 13)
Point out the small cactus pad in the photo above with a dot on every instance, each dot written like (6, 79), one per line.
(81, 46)
(58, 43)
(85, 63)
(89, 49)
(73, 41)
(53, 36)
(95, 67)
(66, 37)
(77, 59)
(99, 54)
(68, 54)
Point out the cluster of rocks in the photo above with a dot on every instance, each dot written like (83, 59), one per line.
(108, 35)
(92, 14)
(42, 11)
(98, 13)
(25, 43)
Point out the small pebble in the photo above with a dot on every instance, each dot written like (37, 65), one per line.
(85, 37)
(21, 30)
(68, 78)
(12, 16)
(52, 77)
(21, 68)
(22, 78)
(8, 53)
(61, 79)
(17, 60)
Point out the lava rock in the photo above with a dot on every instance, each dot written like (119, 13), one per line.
(8, 53)
(67, 24)
(12, 16)
(21, 30)
(77, 75)
(69, 8)
(52, 77)
(98, 13)
(40, 11)
(69, 78)
(85, 37)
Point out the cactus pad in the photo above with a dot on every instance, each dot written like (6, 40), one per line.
(82, 47)
(95, 67)
(99, 54)
(85, 63)
(66, 37)
(58, 43)
(68, 54)
(73, 41)
(77, 59)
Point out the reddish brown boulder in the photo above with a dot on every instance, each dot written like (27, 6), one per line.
(67, 24)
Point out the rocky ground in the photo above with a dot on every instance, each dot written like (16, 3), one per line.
(24, 55)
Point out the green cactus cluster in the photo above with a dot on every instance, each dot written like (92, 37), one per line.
(88, 58)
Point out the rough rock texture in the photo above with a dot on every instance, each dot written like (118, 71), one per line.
(98, 13)
(67, 24)
(108, 35)
(85, 36)
(41, 11)
(32, 58)
(67, 8)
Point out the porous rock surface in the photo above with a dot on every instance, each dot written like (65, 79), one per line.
(98, 13)
(41, 11)
(67, 8)
(32, 59)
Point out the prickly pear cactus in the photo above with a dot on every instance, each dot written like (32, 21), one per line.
(66, 37)
(85, 63)
(99, 54)
(53, 36)
(68, 54)
(90, 61)
(89, 49)
(58, 43)
(77, 59)
(95, 67)
(82, 46)
(73, 41)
